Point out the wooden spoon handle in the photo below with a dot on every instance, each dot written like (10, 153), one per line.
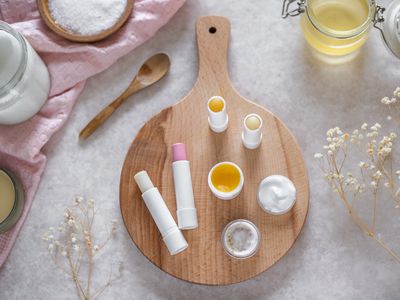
(103, 115)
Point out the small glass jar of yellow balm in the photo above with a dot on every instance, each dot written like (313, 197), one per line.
(338, 28)
(11, 200)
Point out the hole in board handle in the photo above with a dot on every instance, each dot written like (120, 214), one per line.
(212, 30)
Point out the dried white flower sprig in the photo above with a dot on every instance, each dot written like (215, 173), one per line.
(393, 103)
(73, 248)
(373, 176)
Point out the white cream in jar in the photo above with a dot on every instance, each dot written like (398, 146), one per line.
(241, 238)
(276, 194)
(24, 79)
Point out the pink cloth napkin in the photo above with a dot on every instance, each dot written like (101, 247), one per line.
(69, 64)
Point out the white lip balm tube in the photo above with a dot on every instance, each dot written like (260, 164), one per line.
(252, 134)
(217, 116)
(186, 211)
(172, 236)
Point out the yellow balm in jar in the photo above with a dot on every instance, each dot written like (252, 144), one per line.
(7, 196)
(225, 180)
(225, 177)
(11, 200)
(336, 27)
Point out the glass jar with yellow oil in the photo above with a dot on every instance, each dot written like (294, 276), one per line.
(338, 28)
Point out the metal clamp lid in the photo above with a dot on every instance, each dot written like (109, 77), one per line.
(388, 22)
(286, 11)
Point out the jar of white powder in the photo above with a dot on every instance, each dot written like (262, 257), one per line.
(241, 239)
(24, 79)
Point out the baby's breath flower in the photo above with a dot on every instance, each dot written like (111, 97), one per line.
(75, 240)
(318, 155)
(78, 199)
(396, 92)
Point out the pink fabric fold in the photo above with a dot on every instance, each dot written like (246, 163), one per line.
(69, 64)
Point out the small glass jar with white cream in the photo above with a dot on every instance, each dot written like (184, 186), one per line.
(241, 239)
(11, 200)
(24, 78)
(276, 195)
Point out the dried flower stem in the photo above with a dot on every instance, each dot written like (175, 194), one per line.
(377, 170)
(75, 242)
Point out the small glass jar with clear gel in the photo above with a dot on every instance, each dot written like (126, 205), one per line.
(24, 79)
(241, 239)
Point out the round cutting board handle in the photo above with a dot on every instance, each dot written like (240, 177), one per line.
(212, 41)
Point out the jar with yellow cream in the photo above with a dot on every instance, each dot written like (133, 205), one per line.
(338, 28)
(11, 200)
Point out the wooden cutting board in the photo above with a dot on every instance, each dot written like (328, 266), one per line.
(205, 261)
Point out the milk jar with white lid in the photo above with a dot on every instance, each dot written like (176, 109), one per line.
(24, 79)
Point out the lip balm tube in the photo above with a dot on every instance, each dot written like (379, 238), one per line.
(186, 211)
(252, 135)
(217, 116)
(172, 236)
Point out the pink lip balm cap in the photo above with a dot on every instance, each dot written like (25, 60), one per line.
(178, 152)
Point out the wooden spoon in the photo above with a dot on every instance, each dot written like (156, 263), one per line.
(150, 72)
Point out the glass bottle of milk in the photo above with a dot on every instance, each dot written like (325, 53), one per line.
(24, 79)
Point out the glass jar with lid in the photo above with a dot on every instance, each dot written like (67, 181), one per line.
(24, 79)
(338, 28)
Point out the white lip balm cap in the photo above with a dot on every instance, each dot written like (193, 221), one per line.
(143, 181)
(187, 218)
(175, 242)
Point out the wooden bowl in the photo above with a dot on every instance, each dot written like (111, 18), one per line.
(50, 22)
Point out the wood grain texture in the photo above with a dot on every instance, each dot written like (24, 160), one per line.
(205, 261)
(49, 21)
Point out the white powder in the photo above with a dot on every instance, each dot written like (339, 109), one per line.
(241, 238)
(87, 17)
